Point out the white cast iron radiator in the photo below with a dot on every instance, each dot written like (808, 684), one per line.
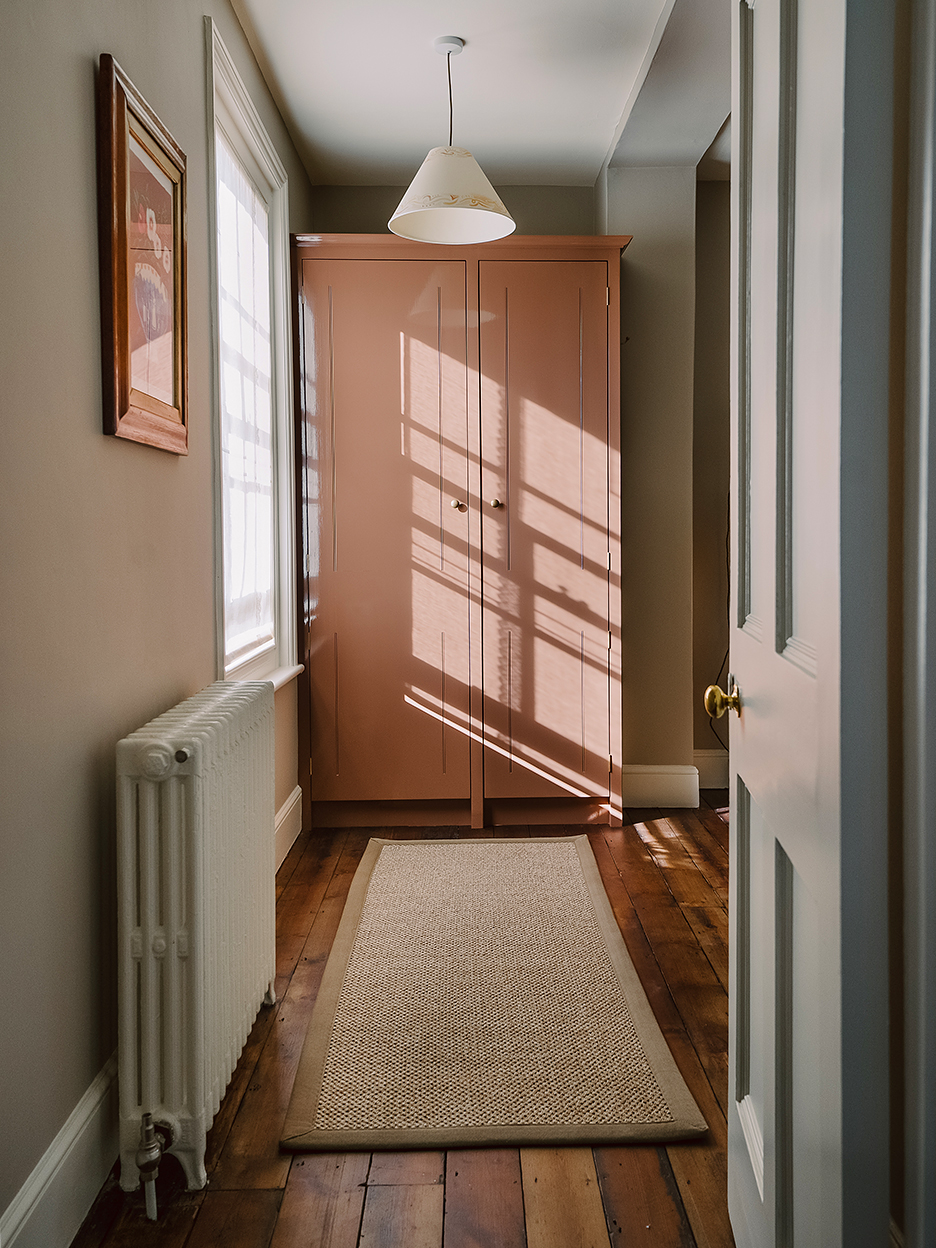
(196, 910)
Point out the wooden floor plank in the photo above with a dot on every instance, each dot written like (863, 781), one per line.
(705, 827)
(702, 1007)
(687, 880)
(483, 1199)
(699, 1167)
(323, 1201)
(251, 1157)
(403, 1217)
(232, 1219)
(303, 894)
(696, 990)
(641, 1198)
(240, 1081)
(310, 877)
(655, 985)
(710, 927)
(562, 1199)
(701, 1175)
(406, 1169)
(103, 1215)
(705, 850)
(289, 946)
(641, 953)
(716, 822)
(177, 1210)
(291, 861)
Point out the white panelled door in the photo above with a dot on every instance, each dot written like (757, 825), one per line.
(806, 1130)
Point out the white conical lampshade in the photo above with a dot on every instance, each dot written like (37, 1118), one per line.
(451, 201)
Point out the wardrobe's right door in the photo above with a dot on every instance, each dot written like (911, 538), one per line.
(544, 505)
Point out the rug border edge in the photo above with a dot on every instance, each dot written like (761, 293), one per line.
(517, 1136)
(311, 1065)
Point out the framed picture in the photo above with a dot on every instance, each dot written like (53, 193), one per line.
(141, 184)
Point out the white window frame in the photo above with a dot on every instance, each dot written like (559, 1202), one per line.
(231, 111)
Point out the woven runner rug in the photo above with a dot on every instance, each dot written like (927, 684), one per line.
(479, 992)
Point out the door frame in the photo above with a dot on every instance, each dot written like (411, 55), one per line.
(919, 683)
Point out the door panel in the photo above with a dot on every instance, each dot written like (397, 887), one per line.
(545, 589)
(386, 394)
(784, 1064)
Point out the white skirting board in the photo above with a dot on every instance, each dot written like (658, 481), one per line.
(670, 784)
(55, 1199)
(713, 768)
(288, 824)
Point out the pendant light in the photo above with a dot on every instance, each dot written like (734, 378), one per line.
(450, 200)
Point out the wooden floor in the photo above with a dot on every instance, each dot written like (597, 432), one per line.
(667, 877)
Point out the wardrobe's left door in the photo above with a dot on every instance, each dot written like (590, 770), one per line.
(385, 402)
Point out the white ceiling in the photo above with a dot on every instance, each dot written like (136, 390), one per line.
(542, 90)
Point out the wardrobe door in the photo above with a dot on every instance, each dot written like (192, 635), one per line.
(544, 474)
(385, 394)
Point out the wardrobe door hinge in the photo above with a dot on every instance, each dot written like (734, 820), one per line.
(608, 296)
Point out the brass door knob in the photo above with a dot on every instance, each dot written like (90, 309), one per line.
(458, 504)
(495, 502)
(717, 702)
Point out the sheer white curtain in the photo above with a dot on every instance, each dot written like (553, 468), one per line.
(246, 413)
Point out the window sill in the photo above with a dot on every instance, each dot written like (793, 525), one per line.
(279, 678)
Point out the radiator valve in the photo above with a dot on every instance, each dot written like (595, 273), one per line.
(147, 1159)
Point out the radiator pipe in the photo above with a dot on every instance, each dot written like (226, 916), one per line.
(147, 1159)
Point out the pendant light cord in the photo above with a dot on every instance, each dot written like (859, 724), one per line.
(448, 62)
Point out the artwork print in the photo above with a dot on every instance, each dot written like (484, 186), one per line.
(150, 276)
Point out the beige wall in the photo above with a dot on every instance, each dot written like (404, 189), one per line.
(287, 745)
(106, 562)
(710, 453)
(536, 209)
(657, 206)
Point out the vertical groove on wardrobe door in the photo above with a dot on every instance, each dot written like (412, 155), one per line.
(582, 677)
(509, 700)
(334, 454)
(581, 433)
(442, 701)
(336, 707)
(441, 477)
(509, 500)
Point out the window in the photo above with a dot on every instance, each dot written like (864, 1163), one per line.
(254, 427)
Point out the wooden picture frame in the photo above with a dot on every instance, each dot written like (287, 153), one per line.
(141, 194)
